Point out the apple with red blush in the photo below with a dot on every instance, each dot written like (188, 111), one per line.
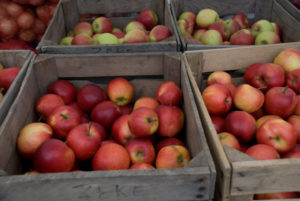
(227, 139)
(64, 89)
(120, 130)
(219, 123)
(262, 152)
(166, 142)
(168, 93)
(45, 105)
(172, 156)
(141, 166)
(141, 151)
(120, 91)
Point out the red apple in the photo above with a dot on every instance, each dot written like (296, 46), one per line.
(140, 151)
(83, 27)
(264, 118)
(280, 101)
(54, 156)
(252, 75)
(219, 77)
(102, 25)
(89, 96)
(25, 20)
(8, 28)
(222, 29)
(64, 89)
(146, 102)
(297, 108)
(217, 99)
(134, 25)
(45, 105)
(275, 196)
(120, 130)
(277, 133)
(136, 36)
(82, 39)
(85, 139)
(293, 80)
(168, 93)
(63, 119)
(294, 120)
(126, 109)
(258, 113)
(13, 9)
(148, 18)
(120, 91)
(288, 59)
(143, 122)
(31, 137)
(262, 152)
(166, 142)
(105, 113)
(241, 124)
(219, 123)
(232, 25)
(242, 37)
(242, 20)
(229, 140)
(159, 33)
(190, 17)
(171, 120)
(84, 117)
(276, 28)
(173, 156)
(7, 76)
(141, 166)
(111, 156)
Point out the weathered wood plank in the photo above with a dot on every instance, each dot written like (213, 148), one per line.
(288, 6)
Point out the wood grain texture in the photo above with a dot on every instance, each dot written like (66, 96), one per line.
(194, 182)
(290, 8)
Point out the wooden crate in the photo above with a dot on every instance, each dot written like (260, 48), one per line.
(255, 9)
(146, 72)
(69, 11)
(291, 9)
(238, 175)
(13, 58)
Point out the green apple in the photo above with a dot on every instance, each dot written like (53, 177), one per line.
(206, 17)
(66, 40)
(267, 37)
(261, 26)
(107, 38)
(212, 37)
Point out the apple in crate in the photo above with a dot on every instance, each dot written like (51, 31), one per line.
(293, 80)
(261, 26)
(54, 156)
(168, 93)
(136, 36)
(107, 39)
(219, 77)
(126, 109)
(159, 33)
(288, 59)
(276, 196)
(102, 25)
(294, 120)
(166, 142)
(83, 27)
(198, 34)
(45, 105)
(242, 37)
(8, 28)
(146, 102)
(267, 37)
(190, 17)
(277, 133)
(297, 108)
(120, 91)
(232, 26)
(172, 156)
(148, 18)
(219, 123)
(212, 37)
(85, 139)
(143, 122)
(276, 28)
(206, 17)
(262, 152)
(64, 89)
(31, 137)
(7, 76)
(140, 151)
(66, 40)
(120, 130)
(221, 28)
(111, 156)
(141, 166)
(133, 25)
(242, 20)
(82, 39)
(264, 118)
(227, 139)
(184, 27)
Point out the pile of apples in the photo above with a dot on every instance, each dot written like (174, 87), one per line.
(7, 76)
(25, 20)
(101, 31)
(209, 29)
(99, 128)
(260, 117)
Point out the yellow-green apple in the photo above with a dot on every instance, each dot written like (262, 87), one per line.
(293, 80)
(66, 40)
(172, 156)
(111, 156)
(217, 99)
(7, 76)
(167, 142)
(276, 28)
(146, 102)
(148, 18)
(232, 26)
(261, 26)
(83, 27)
(171, 120)
(219, 77)
(264, 118)
(241, 124)
(64, 89)
(222, 29)
(90, 95)
(141, 166)
(143, 122)
(31, 137)
(277, 133)
(242, 20)
(120, 91)
(262, 152)
(107, 39)
(228, 139)
(191, 18)
(85, 139)
(275, 196)
(206, 17)
(116, 30)
(120, 130)
(288, 59)
(105, 113)
(184, 26)
(136, 36)
(134, 25)
(47, 103)
(102, 25)
(267, 37)
(53, 156)
(168, 93)
(248, 98)
(159, 33)
(63, 119)
(280, 101)
(294, 120)
(198, 34)
(219, 123)
(242, 37)
(297, 108)
(211, 37)
(94, 38)
(82, 39)
(141, 151)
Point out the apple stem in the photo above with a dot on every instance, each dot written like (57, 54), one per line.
(285, 89)
(40, 118)
(151, 120)
(90, 125)
(64, 116)
(180, 159)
